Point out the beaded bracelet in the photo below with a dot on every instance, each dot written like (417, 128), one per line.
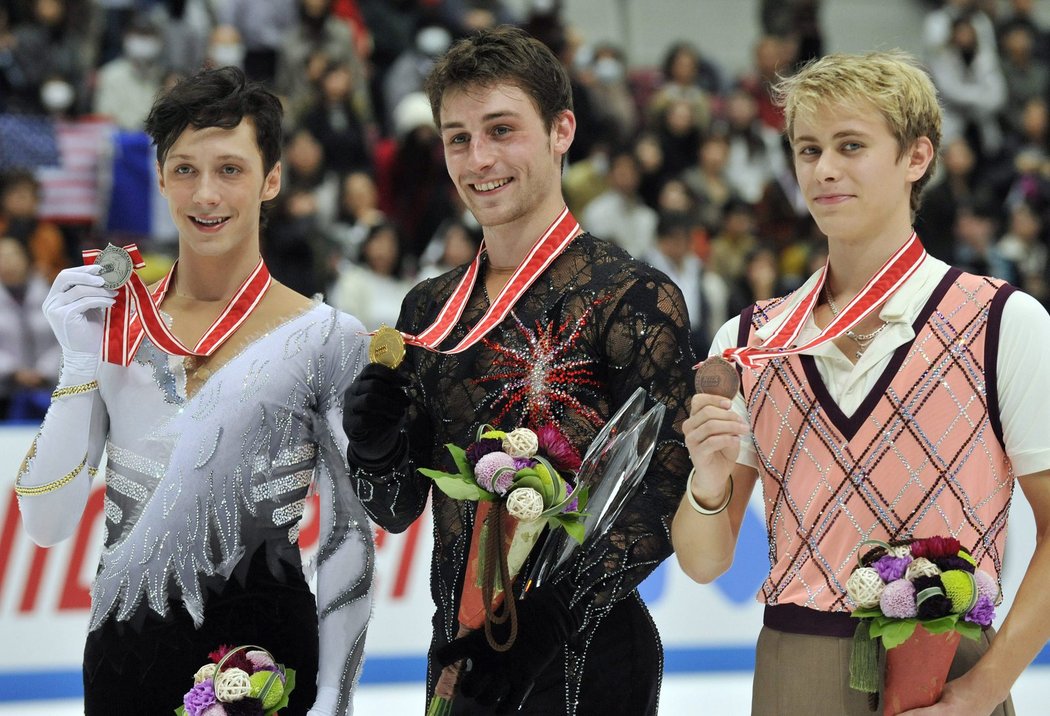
(61, 482)
(703, 510)
(74, 390)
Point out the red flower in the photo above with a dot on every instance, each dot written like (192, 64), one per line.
(557, 448)
(933, 548)
(238, 660)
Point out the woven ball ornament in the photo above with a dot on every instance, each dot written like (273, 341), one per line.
(232, 685)
(865, 587)
(204, 673)
(899, 550)
(921, 567)
(521, 442)
(525, 504)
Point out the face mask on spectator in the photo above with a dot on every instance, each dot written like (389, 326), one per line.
(608, 70)
(433, 41)
(56, 95)
(227, 55)
(142, 47)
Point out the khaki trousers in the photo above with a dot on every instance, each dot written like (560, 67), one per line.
(799, 674)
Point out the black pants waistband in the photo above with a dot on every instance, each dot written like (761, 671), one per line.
(795, 619)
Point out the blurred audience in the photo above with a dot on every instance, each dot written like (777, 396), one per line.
(29, 352)
(679, 163)
(127, 84)
(619, 214)
(19, 204)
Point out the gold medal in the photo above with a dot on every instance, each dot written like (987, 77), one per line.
(387, 347)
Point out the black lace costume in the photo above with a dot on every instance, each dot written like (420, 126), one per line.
(594, 327)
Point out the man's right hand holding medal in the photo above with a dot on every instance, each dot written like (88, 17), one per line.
(375, 409)
(74, 309)
(713, 431)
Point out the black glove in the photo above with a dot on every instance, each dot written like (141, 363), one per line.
(502, 680)
(374, 412)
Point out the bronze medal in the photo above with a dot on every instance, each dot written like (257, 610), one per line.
(717, 376)
(116, 266)
(387, 347)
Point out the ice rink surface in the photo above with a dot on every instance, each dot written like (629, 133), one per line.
(722, 694)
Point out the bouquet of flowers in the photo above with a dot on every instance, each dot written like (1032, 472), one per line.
(918, 596)
(520, 475)
(242, 680)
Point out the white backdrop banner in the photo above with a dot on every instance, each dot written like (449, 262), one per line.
(44, 596)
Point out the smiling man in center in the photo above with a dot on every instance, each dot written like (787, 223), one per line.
(559, 329)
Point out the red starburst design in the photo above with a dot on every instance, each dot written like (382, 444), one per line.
(542, 374)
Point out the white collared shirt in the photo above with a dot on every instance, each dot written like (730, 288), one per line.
(1022, 376)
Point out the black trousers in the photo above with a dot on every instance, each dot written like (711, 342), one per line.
(146, 665)
(621, 671)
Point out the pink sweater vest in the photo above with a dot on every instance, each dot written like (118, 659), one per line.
(923, 455)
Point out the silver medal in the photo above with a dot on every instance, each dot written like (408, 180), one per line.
(116, 266)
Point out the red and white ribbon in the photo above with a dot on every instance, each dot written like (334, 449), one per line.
(125, 328)
(897, 269)
(542, 254)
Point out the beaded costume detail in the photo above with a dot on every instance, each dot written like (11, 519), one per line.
(591, 329)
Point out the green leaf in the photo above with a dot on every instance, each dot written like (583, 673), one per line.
(968, 629)
(866, 612)
(941, 625)
(456, 486)
(289, 684)
(460, 457)
(892, 631)
(528, 478)
(574, 528)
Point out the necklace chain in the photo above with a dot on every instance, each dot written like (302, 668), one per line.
(861, 339)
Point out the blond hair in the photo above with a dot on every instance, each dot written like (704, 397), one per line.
(891, 82)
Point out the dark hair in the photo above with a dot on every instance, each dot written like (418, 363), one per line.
(217, 98)
(671, 223)
(672, 53)
(503, 55)
(16, 178)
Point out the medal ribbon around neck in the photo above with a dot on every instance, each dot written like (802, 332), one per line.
(542, 254)
(124, 329)
(898, 269)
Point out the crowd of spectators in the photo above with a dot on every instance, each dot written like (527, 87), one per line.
(684, 165)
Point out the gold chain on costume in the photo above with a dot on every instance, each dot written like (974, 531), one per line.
(74, 390)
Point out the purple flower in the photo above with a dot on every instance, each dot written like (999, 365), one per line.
(520, 463)
(485, 470)
(951, 562)
(986, 585)
(898, 599)
(937, 605)
(503, 482)
(200, 697)
(574, 503)
(982, 613)
(481, 448)
(891, 568)
(247, 706)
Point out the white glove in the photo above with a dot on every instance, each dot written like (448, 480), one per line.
(327, 698)
(73, 308)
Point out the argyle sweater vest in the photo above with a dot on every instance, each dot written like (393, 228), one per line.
(923, 455)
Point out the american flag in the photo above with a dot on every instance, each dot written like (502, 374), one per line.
(75, 191)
